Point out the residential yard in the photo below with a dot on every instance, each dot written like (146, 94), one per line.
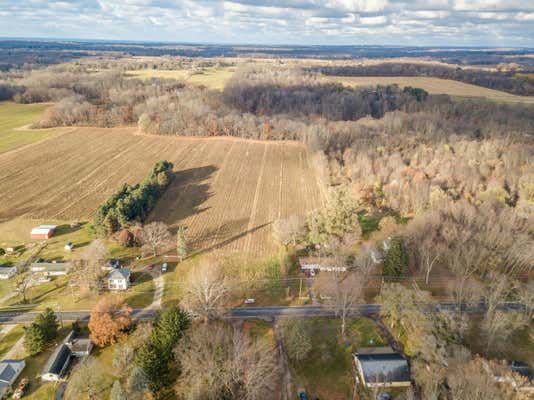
(14, 117)
(327, 373)
(16, 232)
(57, 295)
(34, 365)
(104, 357)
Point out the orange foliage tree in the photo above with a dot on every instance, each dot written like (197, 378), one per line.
(109, 320)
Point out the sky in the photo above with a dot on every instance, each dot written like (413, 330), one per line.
(503, 23)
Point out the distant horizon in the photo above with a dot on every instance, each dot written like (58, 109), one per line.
(281, 44)
(411, 23)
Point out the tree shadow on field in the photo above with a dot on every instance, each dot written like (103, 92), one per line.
(226, 234)
(188, 190)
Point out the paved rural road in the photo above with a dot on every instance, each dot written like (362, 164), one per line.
(13, 317)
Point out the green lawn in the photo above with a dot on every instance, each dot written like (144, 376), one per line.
(327, 372)
(13, 116)
(34, 365)
(9, 340)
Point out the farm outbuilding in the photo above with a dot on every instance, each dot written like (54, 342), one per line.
(43, 232)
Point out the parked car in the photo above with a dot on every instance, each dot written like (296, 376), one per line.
(164, 267)
(250, 301)
(383, 396)
(43, 279)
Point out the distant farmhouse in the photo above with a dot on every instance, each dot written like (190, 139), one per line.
(73, 346)
(119, 279)
(43, 232)
(51, 268)
(9, 372)
(316, 264)
(7, 272)
(381, 367)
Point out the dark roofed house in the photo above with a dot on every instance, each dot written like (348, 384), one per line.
(51, 268)
(381, 367)
(9, 372)
(57, 364)
(74, 346)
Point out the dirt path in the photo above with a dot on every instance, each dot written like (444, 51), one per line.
(159, 287)
(16, 350)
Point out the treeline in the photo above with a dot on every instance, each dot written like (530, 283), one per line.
(501, 80)
(132, 203)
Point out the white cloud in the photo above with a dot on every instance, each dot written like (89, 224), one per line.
(447, 22)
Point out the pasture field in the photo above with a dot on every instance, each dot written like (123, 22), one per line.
(433, 86)
(13, 118)
(213, 78)
(226, 190)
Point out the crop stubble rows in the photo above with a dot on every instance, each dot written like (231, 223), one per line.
(227, 191)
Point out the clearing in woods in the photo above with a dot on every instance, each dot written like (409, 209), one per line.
(13, 118)
(433, 86)
(226, 190)
(212, 77)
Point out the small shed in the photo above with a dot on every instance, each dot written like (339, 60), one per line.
(9, 372)
(43, 232)
(381, 367)
(119, 279)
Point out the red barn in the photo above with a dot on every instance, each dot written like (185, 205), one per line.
(43, 232)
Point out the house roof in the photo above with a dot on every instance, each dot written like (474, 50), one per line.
(119, 273)
(46, 227)
(382, 366)
(48, 266)
(9, 370)
(78, 343)
(57, 360)
(521, 368)
(7, 270)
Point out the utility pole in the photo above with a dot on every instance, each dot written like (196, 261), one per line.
(300, 288)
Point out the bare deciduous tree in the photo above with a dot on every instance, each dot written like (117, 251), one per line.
(233, 365)
(206, 290)
(343, 292)
(87, 379)
(154, 236)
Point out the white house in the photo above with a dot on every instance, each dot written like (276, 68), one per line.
(9, 372)
(119, 279)
(7, 272)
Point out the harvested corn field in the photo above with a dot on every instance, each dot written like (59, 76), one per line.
(227, 191)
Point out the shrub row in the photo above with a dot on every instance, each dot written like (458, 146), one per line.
(132, 204)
